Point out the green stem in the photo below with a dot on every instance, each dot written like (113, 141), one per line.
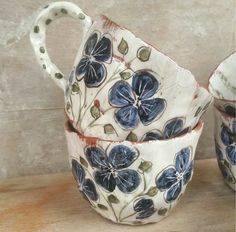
(108, 81)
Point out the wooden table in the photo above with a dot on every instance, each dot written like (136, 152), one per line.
(52, 203)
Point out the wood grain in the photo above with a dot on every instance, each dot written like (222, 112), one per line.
(52, 203)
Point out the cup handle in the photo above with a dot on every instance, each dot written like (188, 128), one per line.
(37, 35)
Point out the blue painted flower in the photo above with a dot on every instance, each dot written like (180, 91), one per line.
(91, 68)
(231, 153)
(136, 103)
(144, 208)
(173, 128)
(173, 178)
(228, 139)
(86, 186)
(112, 169)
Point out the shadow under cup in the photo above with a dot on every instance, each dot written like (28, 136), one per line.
(132, 183)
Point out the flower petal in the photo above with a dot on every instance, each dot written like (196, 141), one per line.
(95, 74)
(89, 190)
(150, 109)
(81, 68)
(173, 127)
(152, 135)
(90, 44)
(96, 157)
(188, 173)
(182, 160)
(231, 153)
(166, 179)
(103, 49)
(122, 156)
(105, 179)
(146, 213)
(78, 172)
(226, 136)
(173, 192)
(127, 180)
(120, 94)
(143, 204)
(127, 117)
(144, 84)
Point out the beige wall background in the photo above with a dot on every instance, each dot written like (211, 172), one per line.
(197, 34)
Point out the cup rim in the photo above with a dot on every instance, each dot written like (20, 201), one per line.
(110, 21)
(92, 140)
(211, 76)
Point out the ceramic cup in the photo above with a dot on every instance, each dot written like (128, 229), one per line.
(132, 183)
(120, 87)
(222, 85)
(225, 146)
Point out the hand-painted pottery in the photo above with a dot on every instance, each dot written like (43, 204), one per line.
(132, 183)
(222, 85)
(225, 146)
(120, 87)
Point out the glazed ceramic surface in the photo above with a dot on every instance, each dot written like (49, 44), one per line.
(120, 87)
(225, 146)
(132, 183)
(222, 85)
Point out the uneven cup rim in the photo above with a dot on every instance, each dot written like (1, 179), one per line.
(94, 140)
(211, 76)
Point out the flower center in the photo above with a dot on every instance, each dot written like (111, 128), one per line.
(91, 58)
(112, 171)
(137, 102)
(179, 176)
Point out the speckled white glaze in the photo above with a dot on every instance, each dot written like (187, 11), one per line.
(128, 59)
(152, 159)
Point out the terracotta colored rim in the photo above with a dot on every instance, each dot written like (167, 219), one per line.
(111, 22)
(208, 82)
(93, 140)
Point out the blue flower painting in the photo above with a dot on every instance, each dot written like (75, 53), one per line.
(173, 178)
(91, 68)
(135, 102)
(112, 169)
(86, 186)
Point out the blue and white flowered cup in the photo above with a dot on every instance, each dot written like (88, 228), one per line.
(132, 183)
(121, 88)
(222, 85)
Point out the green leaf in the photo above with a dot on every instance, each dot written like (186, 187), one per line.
(113, 199)
(102, 207)
(109, 129)
(132, 137)
(162, 212)
(144, 53)
(152, 191)
(83, 162)
(75, 88)
(81, 16)
(145, 166)
(95, 112)
(125, 75)
(123, 47)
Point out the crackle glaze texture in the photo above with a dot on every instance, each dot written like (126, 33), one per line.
(132, 183)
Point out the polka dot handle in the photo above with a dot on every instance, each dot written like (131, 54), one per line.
(37, 35)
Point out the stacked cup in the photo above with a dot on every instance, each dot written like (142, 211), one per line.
(133, 119)
(222, 85)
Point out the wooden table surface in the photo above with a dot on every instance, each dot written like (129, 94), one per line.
(52, 203)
